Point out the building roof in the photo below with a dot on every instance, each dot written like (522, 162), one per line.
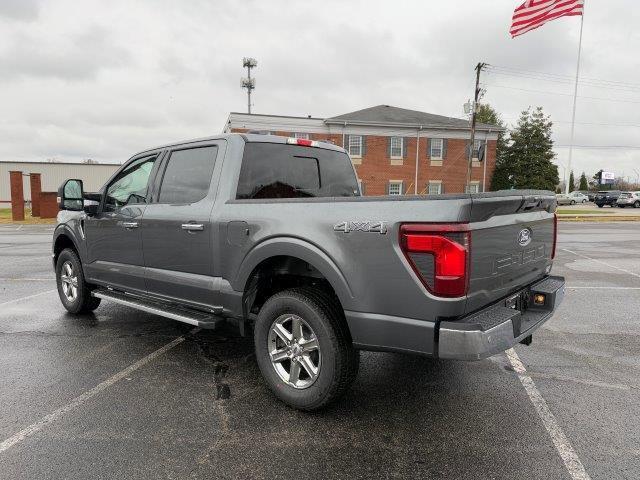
(394, 116)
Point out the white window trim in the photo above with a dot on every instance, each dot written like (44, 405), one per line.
(359, 155)
(395, 182)
(397, 157)
(475, 183)
(304, 136)
(440, 157)
(434, 183)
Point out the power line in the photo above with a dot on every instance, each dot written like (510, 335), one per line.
(618, 125)
(563, 94)
(569, 82)
(563, 77)
(602, 147)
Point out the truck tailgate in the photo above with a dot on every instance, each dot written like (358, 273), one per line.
(512, 244)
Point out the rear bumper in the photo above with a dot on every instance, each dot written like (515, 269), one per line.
(499, 327)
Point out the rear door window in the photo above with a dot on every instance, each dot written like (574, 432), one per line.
(187, 176)
(273, 170)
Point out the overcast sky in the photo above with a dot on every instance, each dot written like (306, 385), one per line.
(103, 80)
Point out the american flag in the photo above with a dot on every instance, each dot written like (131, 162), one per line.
(535, 13)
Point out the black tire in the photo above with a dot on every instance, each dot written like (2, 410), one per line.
(573, 202)
(621, 206)
(599, 206)
(636, 204)
(83, 302)
(339, 362)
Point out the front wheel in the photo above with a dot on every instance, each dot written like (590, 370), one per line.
(304, 349)
(74, 292)
(636, 204)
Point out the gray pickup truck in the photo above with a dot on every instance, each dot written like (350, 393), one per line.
(272, 233)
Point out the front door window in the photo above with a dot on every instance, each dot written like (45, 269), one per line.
(130, 186)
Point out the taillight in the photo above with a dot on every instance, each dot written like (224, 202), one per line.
(439, 255)
(302, 142)
(555, 235)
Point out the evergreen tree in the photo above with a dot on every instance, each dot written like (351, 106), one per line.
(488, 115)
(584, 185)
(572, 182)
(527, 157)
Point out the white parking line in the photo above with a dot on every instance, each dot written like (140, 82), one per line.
(603, 263)
(79, 400)
(27, 298)
(559, 439)
(25, 260)
(26, 279)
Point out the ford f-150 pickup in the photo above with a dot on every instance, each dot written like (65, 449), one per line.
(273, 233)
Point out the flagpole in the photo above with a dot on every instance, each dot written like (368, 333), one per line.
(575, 95)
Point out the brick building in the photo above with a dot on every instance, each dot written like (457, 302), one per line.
(382, 144)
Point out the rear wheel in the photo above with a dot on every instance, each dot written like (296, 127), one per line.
(573, 202)
(74, 292)
(303, 348)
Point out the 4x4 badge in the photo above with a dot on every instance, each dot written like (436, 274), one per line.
(372, 227)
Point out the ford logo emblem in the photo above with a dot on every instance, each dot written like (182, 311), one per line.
(524, 237)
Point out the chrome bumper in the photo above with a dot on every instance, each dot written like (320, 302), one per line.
(502, 325)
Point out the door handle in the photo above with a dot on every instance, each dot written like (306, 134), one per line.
(193, 227)
(129, 225)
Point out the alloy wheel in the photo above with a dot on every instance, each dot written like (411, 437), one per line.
(69, 281)
(294, 351)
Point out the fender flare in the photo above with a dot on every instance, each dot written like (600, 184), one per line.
(65, 230)
(297, 248)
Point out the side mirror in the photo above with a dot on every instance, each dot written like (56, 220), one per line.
(70, 196)
(92, 202)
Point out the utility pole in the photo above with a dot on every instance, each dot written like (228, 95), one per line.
(474, 111)
(248, 82)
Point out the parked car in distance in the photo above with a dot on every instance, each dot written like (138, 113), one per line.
(629, 199)
(607, 197)
(571, 199)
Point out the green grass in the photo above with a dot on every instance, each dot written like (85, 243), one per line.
(599, 211)
(5, 217)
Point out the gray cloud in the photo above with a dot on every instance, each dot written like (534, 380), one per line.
(25, 10)
(150, 72)
(76, 57)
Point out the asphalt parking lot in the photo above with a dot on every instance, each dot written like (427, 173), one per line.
(94, 397)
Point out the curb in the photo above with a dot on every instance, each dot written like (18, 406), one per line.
(598, 218)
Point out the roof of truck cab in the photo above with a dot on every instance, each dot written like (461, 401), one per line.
(247, 137)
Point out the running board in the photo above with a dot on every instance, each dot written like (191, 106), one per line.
(190, 316)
